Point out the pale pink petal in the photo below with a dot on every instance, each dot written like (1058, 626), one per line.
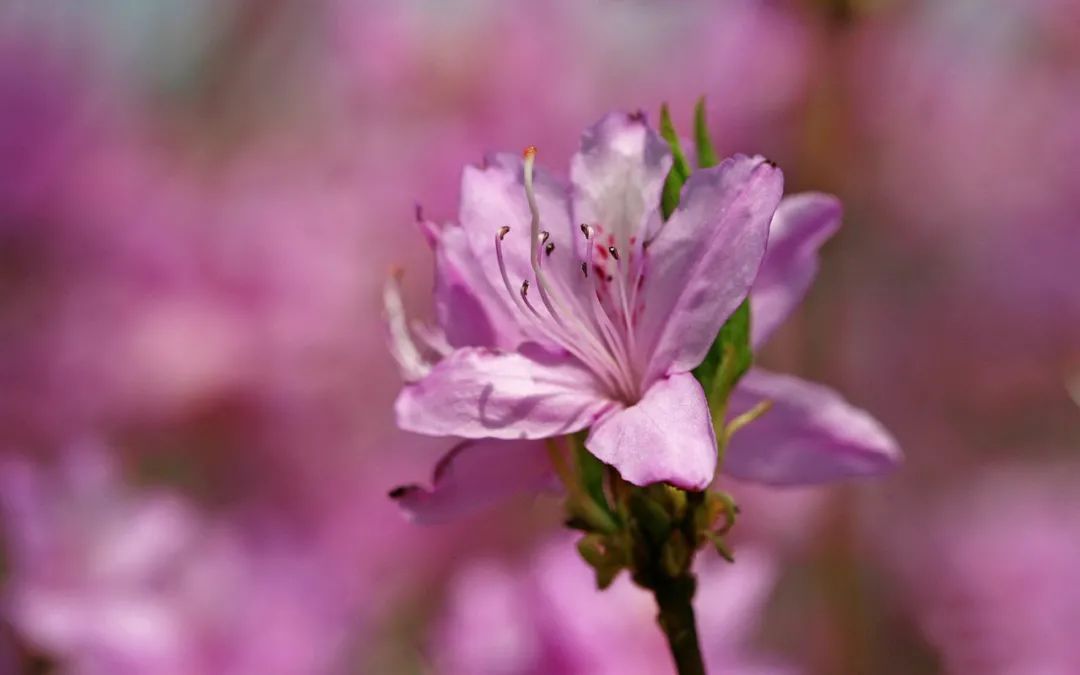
(475, 475)
(666, 436)
(618, 176)
(802, 223)
(701, 264)
(810, 435)
(469, 309)
(482, 393)
(493, 197)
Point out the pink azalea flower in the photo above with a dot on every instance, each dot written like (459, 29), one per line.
(544, 617)
(594, 315)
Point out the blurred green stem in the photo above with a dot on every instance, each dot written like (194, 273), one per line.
(675, 599)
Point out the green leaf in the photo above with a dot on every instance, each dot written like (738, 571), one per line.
(591, 474)
(728, 359)
(706, 153)
(680, 168)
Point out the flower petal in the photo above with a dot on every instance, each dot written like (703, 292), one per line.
(481, 393)
(618, 175)
(702, 262)
(475, 475)
(666, 436)
(802, 223)
(469, 309)
(810, 435)
(494, 197)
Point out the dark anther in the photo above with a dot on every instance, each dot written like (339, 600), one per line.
(585, 270)
(544, 236)
(585, 230)
(503, 231)
(638, 116)
(613, 251)
(524, 288)
(770, 163)
(398, 492)
(549, 248)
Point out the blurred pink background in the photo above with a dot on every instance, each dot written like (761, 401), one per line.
(199, 205)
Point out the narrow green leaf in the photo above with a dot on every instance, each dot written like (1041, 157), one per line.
(706, 153)
(680, 168)
(728, 359)
(591, 474)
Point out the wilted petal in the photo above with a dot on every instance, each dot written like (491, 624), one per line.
(703, 261)
(666, 436)
(481, 393)
(618, 176)
(810, 435)
(475, 475)
(802, 223)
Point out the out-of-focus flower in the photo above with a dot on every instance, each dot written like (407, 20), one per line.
(106, 578)
(619, 324)
(989, 570)
(9, 658)
(809, 434)
(976, 90)
(548, 617)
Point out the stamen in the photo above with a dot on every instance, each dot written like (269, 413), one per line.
(571, 329)
(614, 252)
(607, 329)
(403, 348)
(502, 266)
(557, 330)
(549, 248)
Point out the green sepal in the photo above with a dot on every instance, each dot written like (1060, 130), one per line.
(706, 153)
(680, 168)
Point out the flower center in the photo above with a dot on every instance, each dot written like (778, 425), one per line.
(591, 316)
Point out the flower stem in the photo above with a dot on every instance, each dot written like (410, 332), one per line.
(675, 598)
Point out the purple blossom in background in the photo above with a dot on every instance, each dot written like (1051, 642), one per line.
(989, 571)
(112, 579)
(595, 315)
(545, 617)
(200, 204)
